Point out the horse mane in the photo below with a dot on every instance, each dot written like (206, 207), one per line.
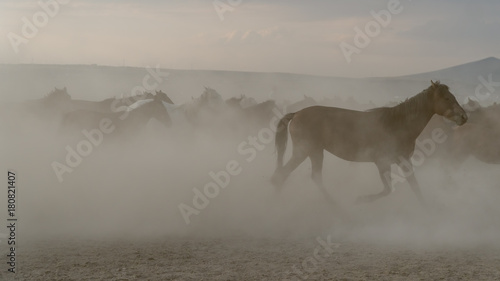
(409, 108)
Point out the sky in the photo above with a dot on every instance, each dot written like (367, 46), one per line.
(332, 38)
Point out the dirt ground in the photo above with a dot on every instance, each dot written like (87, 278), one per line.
(246, 258)
(119, 218)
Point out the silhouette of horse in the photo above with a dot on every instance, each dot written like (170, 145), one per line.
(478, 138)
(245, 119)
(115, 104)
(241, 102)
(58, 100)
(44, 113)
(384, 136)
(148, 97)
(125, 122)
(206, 109)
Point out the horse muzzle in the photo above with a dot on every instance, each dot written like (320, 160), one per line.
(460, 118)
(458, 115)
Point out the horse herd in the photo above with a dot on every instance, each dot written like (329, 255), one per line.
(385, 136)
(58, 112)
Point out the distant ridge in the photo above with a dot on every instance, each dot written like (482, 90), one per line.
(96, 82)
(467, 72)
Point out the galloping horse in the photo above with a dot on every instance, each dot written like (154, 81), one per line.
(113, 104)
(478, 138)
(124, 121)
(206, 109)
(384, 136)
(44, 113)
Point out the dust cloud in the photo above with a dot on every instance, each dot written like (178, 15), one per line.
(134, 187)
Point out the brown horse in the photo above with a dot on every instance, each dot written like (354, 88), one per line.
(478, 138)
(384, 136)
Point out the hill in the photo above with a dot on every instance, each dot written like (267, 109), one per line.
(94, 82)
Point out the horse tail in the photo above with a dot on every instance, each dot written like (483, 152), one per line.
(281, 138)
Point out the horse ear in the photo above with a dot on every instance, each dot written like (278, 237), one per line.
(433, 84)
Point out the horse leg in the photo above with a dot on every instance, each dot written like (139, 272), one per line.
(410, 178)
(384, 170)
(280, 175)
(415, 187)
(316, 174)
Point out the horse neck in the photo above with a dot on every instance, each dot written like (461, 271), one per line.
(141, 115)
(414, 114)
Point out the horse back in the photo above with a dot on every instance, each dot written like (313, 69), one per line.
(349, 134)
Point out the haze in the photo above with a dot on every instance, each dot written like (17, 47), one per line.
(263, 36)
(130, 191)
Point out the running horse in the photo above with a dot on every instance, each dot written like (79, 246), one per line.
(384, 136)
(126, 122)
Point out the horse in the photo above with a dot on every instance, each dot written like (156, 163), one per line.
(384, 136)
(130, 120)
(478, 138)
(58, 99)
(241, 102)
(206, 109)
(252, 117)
(115, 104)
(163, 97)
(44, 113)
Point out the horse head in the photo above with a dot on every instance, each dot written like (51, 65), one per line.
(445, 104)
(211, 98)
(159, 111)
(163, 96)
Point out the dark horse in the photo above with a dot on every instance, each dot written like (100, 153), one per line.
(384, 136)
(113, 104)
(124, 121)
(478, 138)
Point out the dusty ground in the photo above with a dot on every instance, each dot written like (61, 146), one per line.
(176, 258)
(118, 218)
